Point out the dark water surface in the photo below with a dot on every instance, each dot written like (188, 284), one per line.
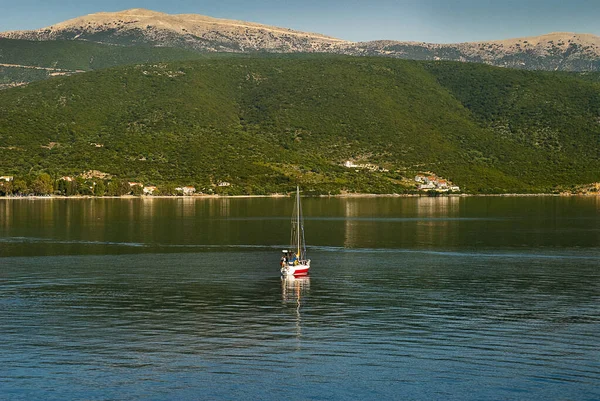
(447, 298)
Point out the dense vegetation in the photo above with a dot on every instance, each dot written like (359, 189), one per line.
(80, 55)
(69, 55)
(265, 123)
(12, 76)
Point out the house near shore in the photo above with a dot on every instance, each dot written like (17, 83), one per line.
(187, 191)
(6, 178)
(224, 184)
(67, 179)
(149, 190)
(134, 184)
(433, 183)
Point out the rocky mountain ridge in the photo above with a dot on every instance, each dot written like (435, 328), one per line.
(555, 51)
(564, 51)
(197, 32)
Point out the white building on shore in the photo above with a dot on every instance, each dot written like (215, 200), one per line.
(433, 183)
(186, 191)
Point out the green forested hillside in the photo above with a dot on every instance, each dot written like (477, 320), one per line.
(265, 123)
(12, 76)
(71, 56)
(80, 55)
(554, 118)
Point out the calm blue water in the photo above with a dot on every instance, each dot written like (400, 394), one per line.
(473, 299)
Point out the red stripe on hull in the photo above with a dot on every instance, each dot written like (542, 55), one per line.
(301, 272)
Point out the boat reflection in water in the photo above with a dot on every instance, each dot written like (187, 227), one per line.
(295, 290)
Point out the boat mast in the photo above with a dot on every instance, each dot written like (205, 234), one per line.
(298, 221)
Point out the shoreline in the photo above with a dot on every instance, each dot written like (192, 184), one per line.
(349, 195)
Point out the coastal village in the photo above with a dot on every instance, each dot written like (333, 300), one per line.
(434, 183)
(427, 182)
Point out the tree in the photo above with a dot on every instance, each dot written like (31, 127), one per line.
(72, 188)
(118, 188)
(6, 188)
(114, 188)
(61, 187)
(125, 188)
(42, 185)
(20, 187)
(137, 190)
(85, 187)
(168, 189)
(100, 189)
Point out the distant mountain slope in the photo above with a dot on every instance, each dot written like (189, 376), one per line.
(264, 123)
(555, 51)
(198, 32)
(139, 27)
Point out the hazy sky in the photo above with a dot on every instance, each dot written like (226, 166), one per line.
(418, 20)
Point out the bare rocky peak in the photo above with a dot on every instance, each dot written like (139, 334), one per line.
(554, 51)
(554, 37)
(543, 45)
(182, 23)
(183, 30)
(562, 40)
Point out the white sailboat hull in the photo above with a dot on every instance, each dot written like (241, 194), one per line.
(300, 269)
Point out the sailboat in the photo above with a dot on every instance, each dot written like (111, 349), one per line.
(294, 261)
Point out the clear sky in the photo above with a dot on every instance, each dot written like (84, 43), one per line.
(442, 21)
